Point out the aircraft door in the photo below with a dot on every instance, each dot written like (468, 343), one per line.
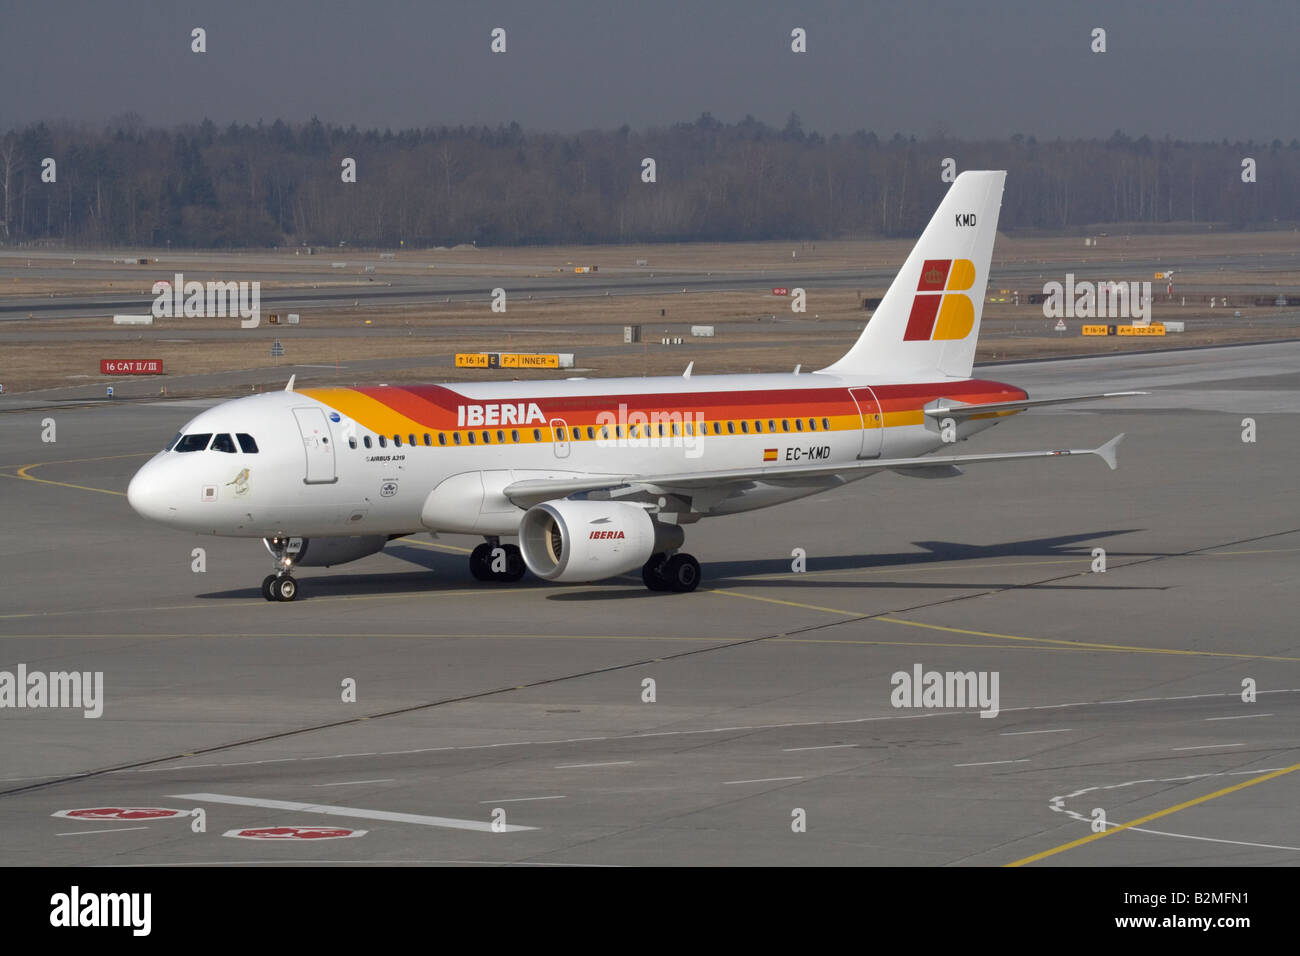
(560, 436)
(316, 445)
(873, 430)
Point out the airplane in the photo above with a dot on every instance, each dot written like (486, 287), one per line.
(597, 478)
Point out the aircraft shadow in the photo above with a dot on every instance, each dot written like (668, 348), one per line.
(441, 571)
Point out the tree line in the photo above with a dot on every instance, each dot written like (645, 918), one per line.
(262, 185)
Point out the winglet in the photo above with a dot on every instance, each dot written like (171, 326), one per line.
(289, 385)
(1107, 451)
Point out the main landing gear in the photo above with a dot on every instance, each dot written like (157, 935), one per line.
(680, 573)
(280, 586)
(494, 561)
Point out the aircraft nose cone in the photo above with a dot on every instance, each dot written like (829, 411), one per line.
(144, 494)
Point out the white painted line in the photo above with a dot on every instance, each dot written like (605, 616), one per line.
(990, 763)
(353, 783)
(612, 763)
(1209, 747)
(113, 830)
(795, 750)
(451, 822)
(522, 799)
(760, 780)
(1188, 836)
(1241, 717)
(1025, 733)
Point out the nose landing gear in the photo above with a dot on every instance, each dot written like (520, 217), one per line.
(280, 586)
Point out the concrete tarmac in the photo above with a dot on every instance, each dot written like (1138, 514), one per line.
(772, 736)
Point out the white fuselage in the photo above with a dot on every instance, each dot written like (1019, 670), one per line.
(321, 468)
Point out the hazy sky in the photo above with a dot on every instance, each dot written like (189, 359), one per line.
(1196, 69)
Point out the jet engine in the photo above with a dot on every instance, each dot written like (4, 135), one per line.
(589, 540)
(327, 552)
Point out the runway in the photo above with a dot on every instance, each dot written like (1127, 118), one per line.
(770, 735)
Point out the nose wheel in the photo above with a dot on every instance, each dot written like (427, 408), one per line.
(276, 587)
(279, 586)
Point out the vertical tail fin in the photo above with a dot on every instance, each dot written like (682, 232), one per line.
(927, 324)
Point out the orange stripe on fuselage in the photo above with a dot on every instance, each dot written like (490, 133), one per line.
(396, 410)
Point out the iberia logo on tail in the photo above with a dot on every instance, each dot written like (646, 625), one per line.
(941, 310)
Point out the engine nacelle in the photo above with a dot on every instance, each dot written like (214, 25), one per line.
(327, 552)
(589, 540)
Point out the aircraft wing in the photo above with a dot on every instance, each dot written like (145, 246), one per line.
(530, 492)
(959, 411)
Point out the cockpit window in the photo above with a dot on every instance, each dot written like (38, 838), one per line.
(172, 444)
(197, 442)
(224, 443)
(246, 443)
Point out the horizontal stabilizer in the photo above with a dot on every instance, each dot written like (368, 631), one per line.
(960, 411)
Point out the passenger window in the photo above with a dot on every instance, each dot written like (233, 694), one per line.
(501, 437)
(472, 437)
(172, 444)
(744, 427)
(591, 433)
(442, 438)
(224, 443)
(758, 427)
(514, 434)
(731, 428)
(812, 424)
(197, 442)
(717, 428)
(826, 424)
(785, 424)
(455, 437)
(537, 434)
(688, 428)
(397, 441)
(383, 442)
(410, 439)
(487, 438)
(771, 425)
(427, 440)
(366, 440)
(352, 443)
(798, 424)
(559, 433)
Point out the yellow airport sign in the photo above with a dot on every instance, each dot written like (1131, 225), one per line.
(1140, 330)
(522, 360)
(471, 360)
(1096, 330)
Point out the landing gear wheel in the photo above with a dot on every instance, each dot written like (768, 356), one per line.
(682, 573)
(480, 562)
(285, 588)
(266, 587)
(515, 566)
(652, 572)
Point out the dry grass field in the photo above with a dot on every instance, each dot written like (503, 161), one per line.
(755, 331)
